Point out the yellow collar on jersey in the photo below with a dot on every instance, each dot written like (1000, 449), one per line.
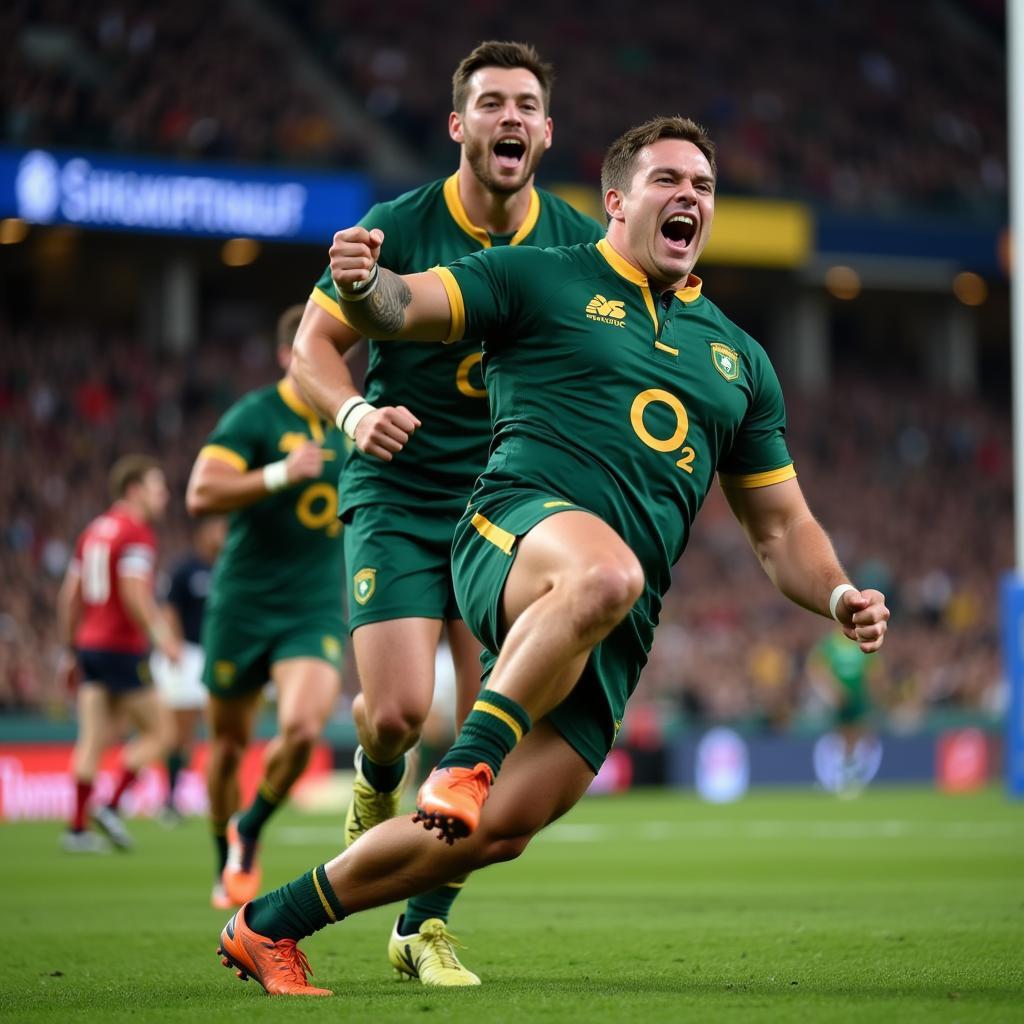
(294, 401)
(625, 269)
(454, 203)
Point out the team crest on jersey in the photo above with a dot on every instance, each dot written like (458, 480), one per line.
(364, 583)
(726, 360)
(607, 311)
(331, 648)
(224, 672)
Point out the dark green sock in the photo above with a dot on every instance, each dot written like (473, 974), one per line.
(436, 903)
(494, 726)
(252, 821)
(297, 909)
(383, 777)
(176, 760)
(219, 830)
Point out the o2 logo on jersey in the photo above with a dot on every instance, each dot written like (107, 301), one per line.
(463, 381)
(656, 396)
(317, 508)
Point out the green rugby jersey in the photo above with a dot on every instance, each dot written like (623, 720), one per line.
(607, 396)
(846, 662)
(443, 387)
(283, 552)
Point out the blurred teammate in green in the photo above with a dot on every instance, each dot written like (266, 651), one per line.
(275, 609)
(845, 676)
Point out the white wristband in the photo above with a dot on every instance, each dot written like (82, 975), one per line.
(275, 475)
(351, 413)
(837, 593)
(359, 290)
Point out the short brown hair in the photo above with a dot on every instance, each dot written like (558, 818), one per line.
(129, 470)
(496, 54)
(617, 169)
(288, 324)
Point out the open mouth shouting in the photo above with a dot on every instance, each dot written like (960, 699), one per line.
(509, 152)
(679, 231)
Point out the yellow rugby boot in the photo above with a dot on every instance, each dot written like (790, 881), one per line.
(369, 806)
(429, 955)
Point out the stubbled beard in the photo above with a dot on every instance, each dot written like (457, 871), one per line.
(478, 153)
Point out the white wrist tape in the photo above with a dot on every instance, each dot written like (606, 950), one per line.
(837, 593)
(351, 413)
(359, 290)
(275, 476)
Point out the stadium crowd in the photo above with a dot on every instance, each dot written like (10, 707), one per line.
(916, 89)
(914, 487)
(188, 79)
(902, 92)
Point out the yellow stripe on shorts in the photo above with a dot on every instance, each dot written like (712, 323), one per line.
(495, 534)
(503, 716)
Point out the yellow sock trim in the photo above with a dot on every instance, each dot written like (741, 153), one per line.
(503, 716)
(323, 899)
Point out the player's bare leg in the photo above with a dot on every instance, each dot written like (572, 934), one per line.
(573, 580)
(182, 726)
(230, 724)
(395, 659)
(307, 690)
(465, 650)
(542, 779)
(144, 710)
(95, 728)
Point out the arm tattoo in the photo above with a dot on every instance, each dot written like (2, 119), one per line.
(385, 308)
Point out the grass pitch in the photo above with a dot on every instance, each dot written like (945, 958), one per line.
(904, 905)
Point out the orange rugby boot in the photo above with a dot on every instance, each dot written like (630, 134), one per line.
(280, 967)
(450, 800)
(241, 874)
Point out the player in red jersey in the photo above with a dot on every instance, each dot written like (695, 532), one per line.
(107, 618)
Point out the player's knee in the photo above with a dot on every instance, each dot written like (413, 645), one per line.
(606, 590)
(301, 734)
(226, 753)
(396, 725)
(499, 847)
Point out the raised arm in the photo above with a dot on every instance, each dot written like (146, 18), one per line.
(383, 305)
(319, 365)
(800, 560)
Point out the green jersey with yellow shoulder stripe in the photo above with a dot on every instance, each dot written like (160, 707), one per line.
(443, 387)
(609, 397)
(283, 553)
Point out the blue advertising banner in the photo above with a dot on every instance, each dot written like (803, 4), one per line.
(1013, 664)
(116, 193)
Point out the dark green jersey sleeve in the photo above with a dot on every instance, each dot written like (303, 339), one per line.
(240, 432)
(502, 291)
(760, 444)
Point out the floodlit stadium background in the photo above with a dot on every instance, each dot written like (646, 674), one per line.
(170, 176)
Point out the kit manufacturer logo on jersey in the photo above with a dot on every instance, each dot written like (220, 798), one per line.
(292, 439)
(607, 311)
(364, 583)
(726, 360)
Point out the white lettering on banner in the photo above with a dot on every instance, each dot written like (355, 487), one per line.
(39, 795)
(180, 202)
